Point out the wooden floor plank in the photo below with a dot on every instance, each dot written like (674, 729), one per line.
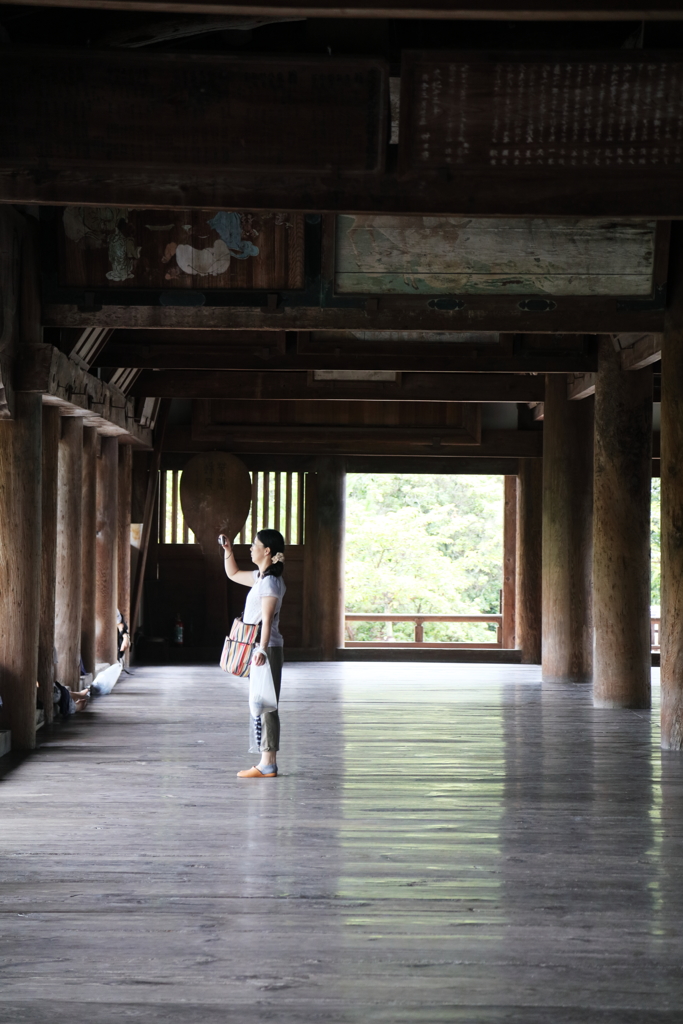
(445, 843)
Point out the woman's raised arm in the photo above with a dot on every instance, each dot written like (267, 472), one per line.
(232, 571)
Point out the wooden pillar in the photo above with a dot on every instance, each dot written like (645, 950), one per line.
(529, 527)
(671, 637)
(509, 560)
(621, 533)
(20, 565)
(51, 429)
(125, 487)
(327, 539)
(567, 534)
(69, 553)
(88, 548)
(107, 560)
(149, 517)
(311, 620)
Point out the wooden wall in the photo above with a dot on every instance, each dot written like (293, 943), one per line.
(175, 581)
(457, 423)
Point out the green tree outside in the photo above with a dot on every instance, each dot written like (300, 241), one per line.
(655, 541)
(419, 543)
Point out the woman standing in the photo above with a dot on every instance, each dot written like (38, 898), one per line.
(263, 604)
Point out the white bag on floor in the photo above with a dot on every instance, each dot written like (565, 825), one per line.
(105, 681)
(261, 690)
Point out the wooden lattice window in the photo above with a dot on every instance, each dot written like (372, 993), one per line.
(277, 502)
(172, 526)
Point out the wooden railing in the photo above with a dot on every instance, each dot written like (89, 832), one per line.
(419, 621)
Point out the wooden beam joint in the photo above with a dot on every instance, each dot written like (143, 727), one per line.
(580, 385)
(63, 383)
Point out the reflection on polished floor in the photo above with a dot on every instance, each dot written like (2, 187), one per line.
(445, 844)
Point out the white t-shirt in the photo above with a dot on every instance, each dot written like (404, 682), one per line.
(266, 586)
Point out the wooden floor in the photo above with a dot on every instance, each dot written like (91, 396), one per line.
(445, 844)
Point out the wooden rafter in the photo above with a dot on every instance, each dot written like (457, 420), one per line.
(422, 387)
(644, 352)
(581, 385)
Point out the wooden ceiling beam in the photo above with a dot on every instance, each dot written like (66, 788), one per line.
(208, 358)
(208, 350)
(561, 315)
(434, 464)
(474, 10)
(297, 386)
(527, 194)
(447, 464)
(312, 440)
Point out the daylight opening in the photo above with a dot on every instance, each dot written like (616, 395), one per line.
(424, 559)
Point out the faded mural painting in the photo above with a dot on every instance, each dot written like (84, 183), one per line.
(408, 255)
(167, 248)
(214, 259)
(104, 227)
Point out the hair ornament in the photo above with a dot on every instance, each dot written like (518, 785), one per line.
(279, 557)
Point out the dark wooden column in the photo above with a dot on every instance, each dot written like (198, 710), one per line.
(509, 560)
(529, 529)
(20, 564)
(324, 594)
(69, 553)
(125, 488)
(567, 534)
(88, 548)
(48, 569)
(621, 533)
(107, 515)
(149, 521)
(310, 630)
(671, 637)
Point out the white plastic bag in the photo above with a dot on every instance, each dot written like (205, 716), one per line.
(261, 690)
(106, 680)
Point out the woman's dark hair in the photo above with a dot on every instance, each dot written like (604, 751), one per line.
(274, 540)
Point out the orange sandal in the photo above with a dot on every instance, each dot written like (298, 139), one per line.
(255, 773)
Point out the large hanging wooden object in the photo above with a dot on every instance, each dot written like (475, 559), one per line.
(215, 494)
